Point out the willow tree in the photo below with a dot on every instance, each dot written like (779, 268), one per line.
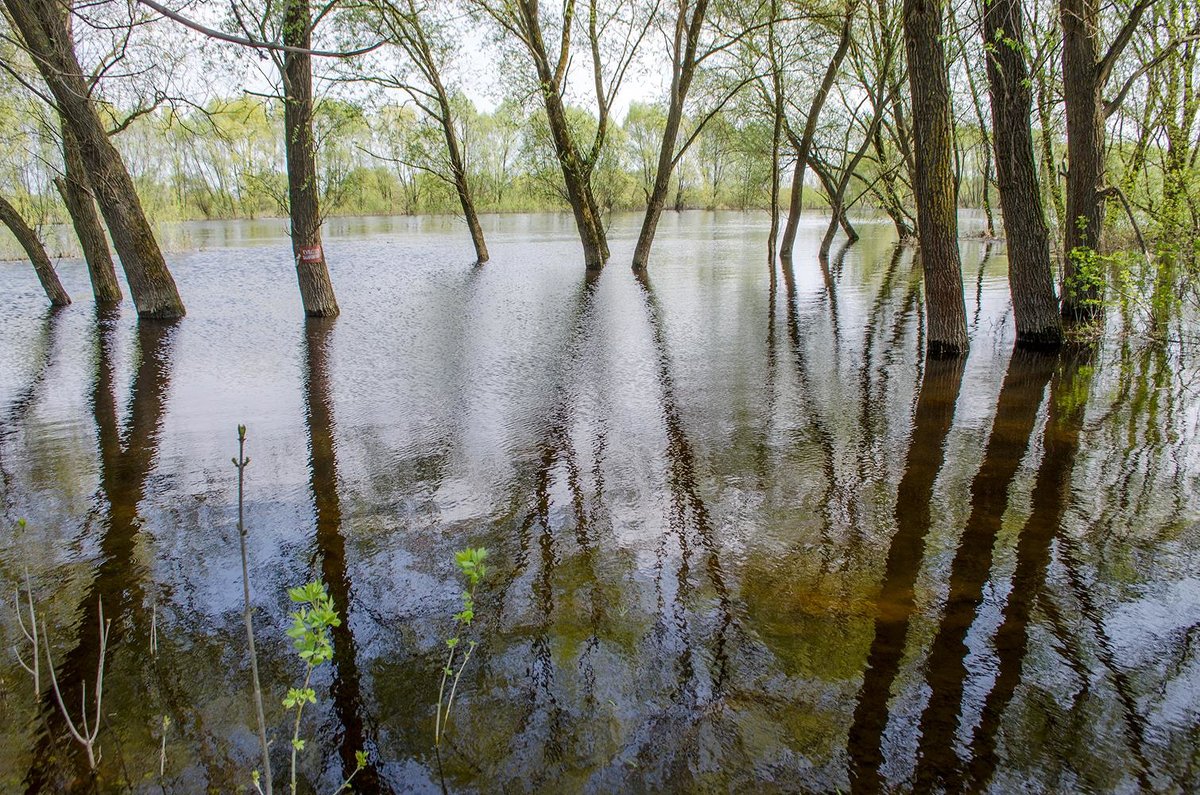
(36, 253)
(1085, 74)
(803, 143)
(295, 69)
(695, 37)
(613, 34)
(42, 25)
(686, 55)
(427, 44)
(77, 195)
(936, 193)
(878, 69)
(285, 34)
(1030, 277)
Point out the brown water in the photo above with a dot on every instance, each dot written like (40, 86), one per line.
(742, 535)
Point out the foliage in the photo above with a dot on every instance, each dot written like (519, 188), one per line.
(471, 565)
(314, 617)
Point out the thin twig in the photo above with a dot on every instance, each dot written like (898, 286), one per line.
(241, 462)
(86, 738)
(437, 726)
(31, 634)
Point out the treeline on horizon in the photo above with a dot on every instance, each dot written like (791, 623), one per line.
(227, 161)
(1079, 118)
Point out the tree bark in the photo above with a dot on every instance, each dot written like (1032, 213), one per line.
(577, 179)
(1030, 275)
(312, 272)
(522, 19)
(408, 31)
(776, 135)
(888, 195)
(1051, 185)
(41, 25)
(683, 68)
(458, 168)
(36, 252)
(1082, 284)
(804, 145)
(937, 220)
(77, 197)
(1085, 73)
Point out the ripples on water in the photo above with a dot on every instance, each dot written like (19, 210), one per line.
(740, 530)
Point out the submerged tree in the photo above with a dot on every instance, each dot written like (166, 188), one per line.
(1085, 75)
(43, 28)
(686, 55)
(78, 197)
(803, 143)
(610, 55)
(295, 69)
(1029, 270)
(286, 35)
(36, 252)
(937, 198)
(427, 43)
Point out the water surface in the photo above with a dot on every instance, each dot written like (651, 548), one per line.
(741, 533)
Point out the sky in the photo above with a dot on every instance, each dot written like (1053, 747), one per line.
(227, 69)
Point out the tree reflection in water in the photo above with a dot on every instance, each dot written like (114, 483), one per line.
(742, 533)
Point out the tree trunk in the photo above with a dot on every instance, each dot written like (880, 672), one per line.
(410, 35)
(1083, 283)
(683, 67)
(577, 172)
(37, 253)
(687, 37)
(42, 27)
(1050, 176)
(1030, 276)
(577, 180)
(836, 209)
(804, 145)
(658, 193)
(977, 106)
(777, 113)
(937, 220)
(458, 169)
(776, 133)
(77, 197)
(472, 217)
(888, 196)
(316, 288)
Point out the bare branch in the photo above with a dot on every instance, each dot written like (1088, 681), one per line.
(274, 47)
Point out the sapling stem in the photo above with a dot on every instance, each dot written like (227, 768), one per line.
(296, 726)
(241, 462)
(87, 737)
(437, 725)
(310, 633)
(31, 634)
(470, 561)
(457, 676)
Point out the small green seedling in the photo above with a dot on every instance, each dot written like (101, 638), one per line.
(309, 632)
(471, 565)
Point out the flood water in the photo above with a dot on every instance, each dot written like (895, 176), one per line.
(741, 534)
